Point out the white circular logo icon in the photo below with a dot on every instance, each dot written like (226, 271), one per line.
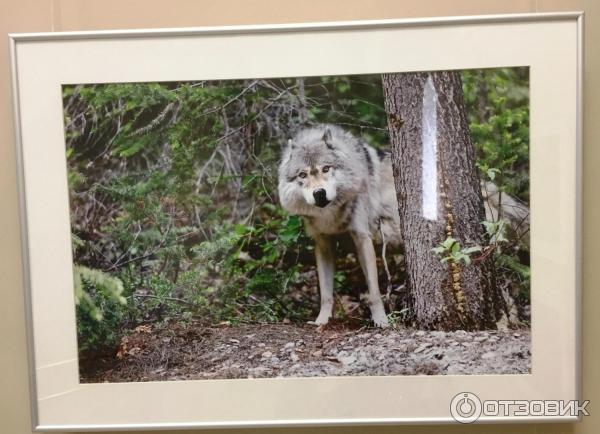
(465, 407)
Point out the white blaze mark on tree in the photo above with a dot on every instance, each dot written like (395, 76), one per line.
(429, 159)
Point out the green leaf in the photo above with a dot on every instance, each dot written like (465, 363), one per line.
(448, 243)
(491, 173)
(469, 250)
(241, 229)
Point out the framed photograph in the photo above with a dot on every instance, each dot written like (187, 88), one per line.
(371, 222)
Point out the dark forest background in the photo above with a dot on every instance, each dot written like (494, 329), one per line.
(174, 208)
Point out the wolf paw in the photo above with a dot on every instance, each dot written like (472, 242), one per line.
(322, 319)
(381, 321)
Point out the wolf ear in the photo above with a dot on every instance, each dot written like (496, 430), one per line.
(327, 138)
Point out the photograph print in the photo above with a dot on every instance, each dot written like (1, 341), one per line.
(301, 227)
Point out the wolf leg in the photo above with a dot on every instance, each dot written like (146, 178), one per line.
(325, 255)
(366, 256)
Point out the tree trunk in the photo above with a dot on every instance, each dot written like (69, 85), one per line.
(439, 197)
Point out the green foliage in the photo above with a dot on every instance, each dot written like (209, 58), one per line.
(398, 317)
(451, 251)
(497, 103)
(507, 259)
(110, 287)
(258, 287)
(498, 112)
(520, 274)
(496, 231)
(100, 301)
(354, 102)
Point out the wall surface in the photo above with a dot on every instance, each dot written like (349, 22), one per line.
(66, 15)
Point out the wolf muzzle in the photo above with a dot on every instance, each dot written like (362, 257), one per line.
(320, 196)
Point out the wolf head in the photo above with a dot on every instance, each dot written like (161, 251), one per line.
(315, 171)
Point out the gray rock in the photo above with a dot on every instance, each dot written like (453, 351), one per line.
(422, 347)
(347, 359)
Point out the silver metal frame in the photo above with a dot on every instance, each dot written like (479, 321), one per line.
(24, 233)
(578, 206)
(15, 38)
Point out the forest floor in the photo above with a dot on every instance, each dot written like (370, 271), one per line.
(192, 351)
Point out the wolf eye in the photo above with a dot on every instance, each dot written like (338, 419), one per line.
(326, 169)
(302, 175)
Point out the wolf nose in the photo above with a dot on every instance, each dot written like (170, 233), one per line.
(320, 196)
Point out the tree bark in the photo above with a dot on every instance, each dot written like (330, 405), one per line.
(444, 203)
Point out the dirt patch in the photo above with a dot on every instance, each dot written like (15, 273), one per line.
(194, 351)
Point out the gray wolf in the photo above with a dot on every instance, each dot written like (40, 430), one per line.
(339, 184)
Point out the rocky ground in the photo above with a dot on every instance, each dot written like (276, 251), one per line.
(188, 352)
